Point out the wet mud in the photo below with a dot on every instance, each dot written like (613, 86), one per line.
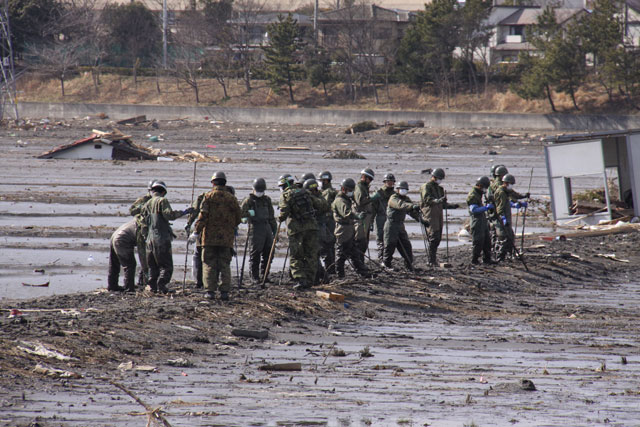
(435, 347)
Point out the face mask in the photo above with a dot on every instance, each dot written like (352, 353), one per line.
(438, 181)
(403, 192)
(259, 193)
(483, 190)
(507, 186)
(350, 194)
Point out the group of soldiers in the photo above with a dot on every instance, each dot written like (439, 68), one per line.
(326, 227)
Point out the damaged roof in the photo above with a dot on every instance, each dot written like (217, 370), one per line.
(122, 148)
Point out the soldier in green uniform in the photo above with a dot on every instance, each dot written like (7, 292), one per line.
(321, 210)
(379, 201)
(297, 209)
(498, 174)
(362, 204)
(121, 254)
(395, 234)
(432, 203)
(344, 217)
(196, 260)
(479, 223)
(216, 226)
(257, 210)
(135, 210)
(157, 212)
(503, 216)
(328, 249)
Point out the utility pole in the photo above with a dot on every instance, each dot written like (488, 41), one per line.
(8, 84)
(164, 34)
(315, 22)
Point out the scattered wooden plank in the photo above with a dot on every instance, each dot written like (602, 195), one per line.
(331, 296)
(133, 120)
(445, 265)
(612, 257)
(43, 285)
(250, 334)
(293, 148)
(295, 366)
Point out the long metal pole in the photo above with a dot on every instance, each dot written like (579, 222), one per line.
(186, 255)
(524, 213)
(244, 256)
(446, 223)
(273, 248)
(164, 34)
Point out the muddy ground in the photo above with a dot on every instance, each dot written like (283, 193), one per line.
(437, 347)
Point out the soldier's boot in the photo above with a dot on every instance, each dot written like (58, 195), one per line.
(256, 277)
(115, 288)
(224, 296)
(433, 255)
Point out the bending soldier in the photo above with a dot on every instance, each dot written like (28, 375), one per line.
(479, 223)
(432, 202)
(257, 210)
(215, 227)
(157, 212)
(395, 235)
(344, 217)
(380, 199)
(297, 209)
(328, 250)
(121, 253)
(141, 235)
(362, 205)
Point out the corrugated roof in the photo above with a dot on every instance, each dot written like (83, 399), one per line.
(123, 145)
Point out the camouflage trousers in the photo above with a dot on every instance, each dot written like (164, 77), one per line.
(303, 248)
(216, 268)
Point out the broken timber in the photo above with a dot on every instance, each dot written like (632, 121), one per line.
(250, 334)
(282, 367)
(332, 296)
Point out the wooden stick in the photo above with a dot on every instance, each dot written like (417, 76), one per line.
(150, 411)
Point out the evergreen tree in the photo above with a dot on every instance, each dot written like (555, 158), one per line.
(282, 54)
(426, 51)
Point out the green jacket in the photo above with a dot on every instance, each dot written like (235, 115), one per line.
(503, 204)
(136, 207)
(361, 198)
(478, 220)
(157, 213)
(380, 199)
(219, 216)
(297, 208)
(342, 210)
(398, 208)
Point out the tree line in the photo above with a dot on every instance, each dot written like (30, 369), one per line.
(443, 50)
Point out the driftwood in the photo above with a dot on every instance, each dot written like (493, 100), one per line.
(281, 367)
(151, 412)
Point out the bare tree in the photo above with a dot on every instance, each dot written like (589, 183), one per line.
(188, 55)
(247, 41)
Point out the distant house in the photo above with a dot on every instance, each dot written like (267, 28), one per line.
(388, 25)
(510, 29)
(97, 148)
(631, 18)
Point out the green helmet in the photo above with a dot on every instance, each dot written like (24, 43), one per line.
(307, 176)
(285, 180)
(501, 170)
(438, 173)
(509, 178)
(159, 185)
(389, 177)
(367, 172)
(483, 182)
(259, 184)
(310, 184)
(403, 185)
(326, 175)
(348, 184)
(219, 176)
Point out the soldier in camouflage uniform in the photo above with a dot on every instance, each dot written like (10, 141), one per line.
(479, 223)
(503, 216)
(344, 217)
(328, 249)
(216, 225)
(196, 260)
(321, 209)
(379, 200)
(362, 204)
(432, 203)
(257, 210)
(157, 212)
(395, 234)
(297, 209)
(135, 210)
(498, 174)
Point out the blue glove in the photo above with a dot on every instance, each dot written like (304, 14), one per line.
(523, 204)
(490, 206)
(504, 220)
(252, 212)
(515, 205)
(188, 211)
